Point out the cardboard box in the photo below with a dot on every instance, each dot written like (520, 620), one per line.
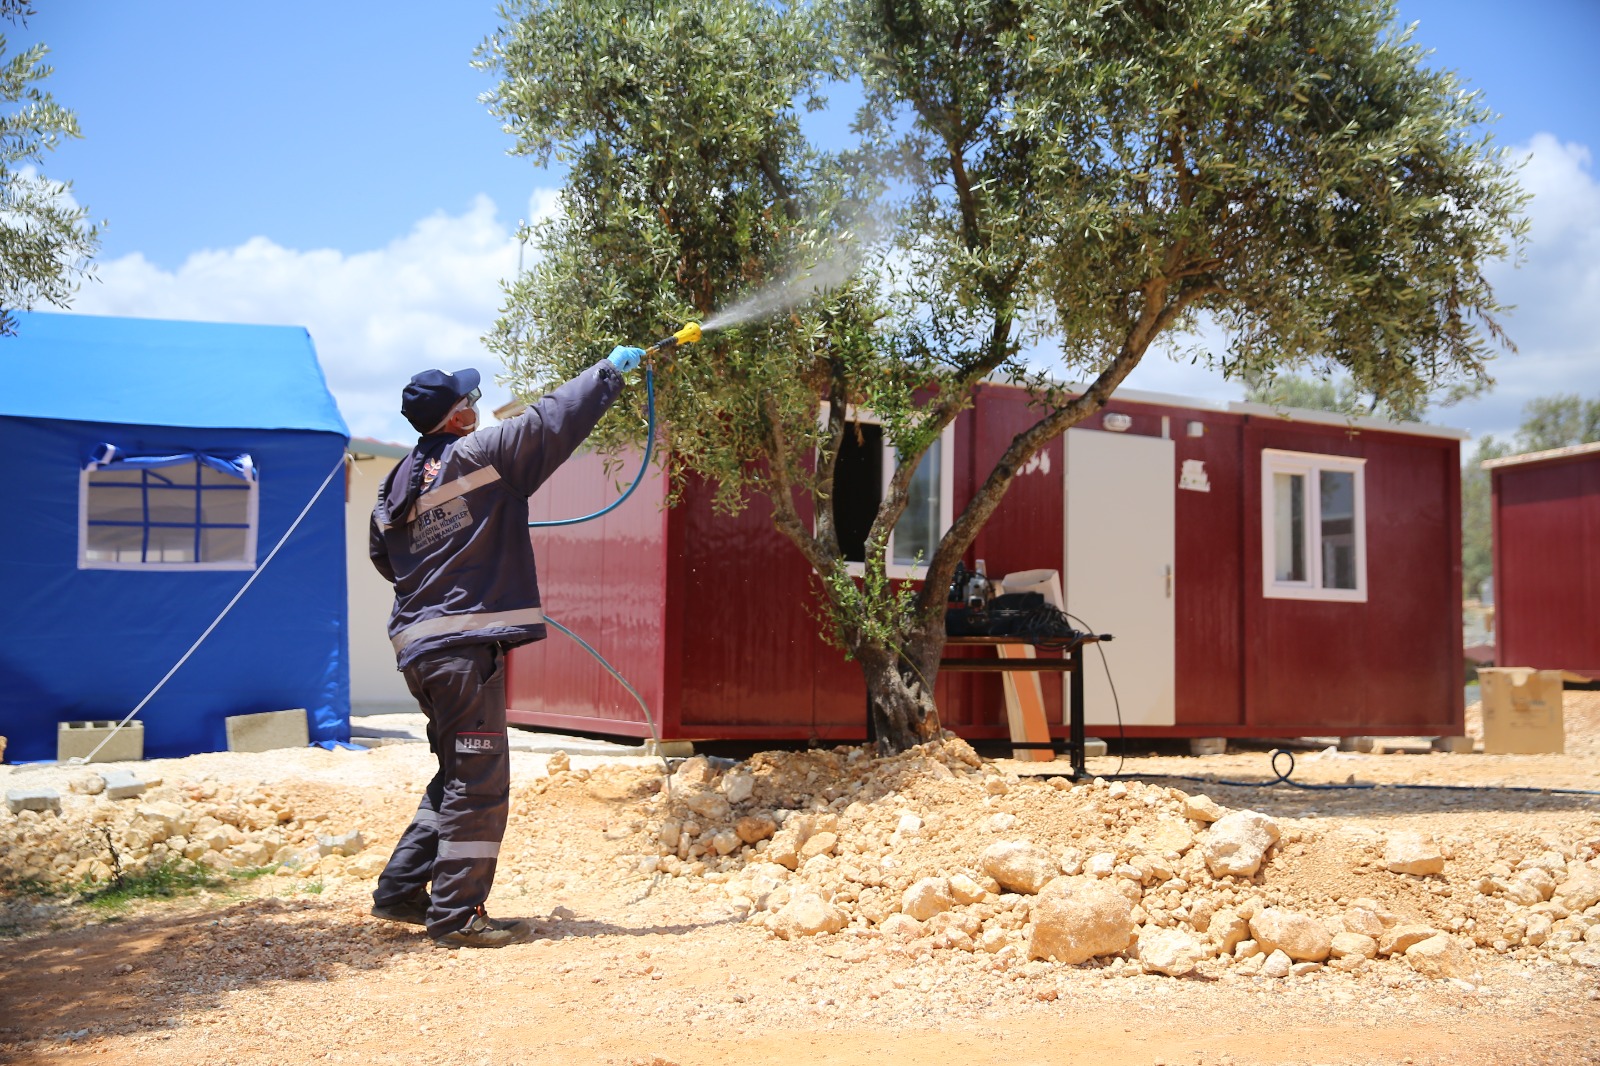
(1522, 712)
(75, 740)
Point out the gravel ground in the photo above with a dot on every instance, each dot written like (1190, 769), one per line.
(654, 948)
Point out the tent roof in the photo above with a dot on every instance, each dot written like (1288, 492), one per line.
(143, 371)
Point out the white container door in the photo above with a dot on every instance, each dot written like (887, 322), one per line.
(1120, 500)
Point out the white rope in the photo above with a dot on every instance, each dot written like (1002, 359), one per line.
(81, 759)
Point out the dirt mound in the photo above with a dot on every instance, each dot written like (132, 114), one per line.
(935, 850)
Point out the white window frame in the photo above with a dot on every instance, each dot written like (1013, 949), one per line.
(1310, 464)
(248, 562)
(947, 482)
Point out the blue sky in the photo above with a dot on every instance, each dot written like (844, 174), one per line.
(330, 165)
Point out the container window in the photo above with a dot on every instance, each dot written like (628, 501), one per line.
(1313, 526)
(186, 512)
(862, 472)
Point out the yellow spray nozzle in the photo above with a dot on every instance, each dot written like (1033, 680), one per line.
(687, 335)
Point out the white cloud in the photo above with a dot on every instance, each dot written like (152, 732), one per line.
(376, 317)
(426, 298)
(1556, 324)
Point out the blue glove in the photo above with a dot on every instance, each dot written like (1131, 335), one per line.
(624, 358)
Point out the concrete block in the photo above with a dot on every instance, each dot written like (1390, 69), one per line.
(1093, 747)
(1361, 744)
(1208, 745)
(343, 844)
(1454, 745)
(125, 784)
(669, 749)
(268, 730)
(33, 799)
(75, 740)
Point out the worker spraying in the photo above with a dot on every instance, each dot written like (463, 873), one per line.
(450, 531)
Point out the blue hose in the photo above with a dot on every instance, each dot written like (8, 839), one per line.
(644, 468)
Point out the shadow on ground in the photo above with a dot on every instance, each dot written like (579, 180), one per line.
(149, 971)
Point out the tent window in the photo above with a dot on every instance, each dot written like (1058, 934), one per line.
(188, 512)
(1313, 526)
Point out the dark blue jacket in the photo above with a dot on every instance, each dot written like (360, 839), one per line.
(451, 526)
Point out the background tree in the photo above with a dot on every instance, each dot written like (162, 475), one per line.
(1558, 421)
(45, 239)
(1338, 395)
(1086, 177)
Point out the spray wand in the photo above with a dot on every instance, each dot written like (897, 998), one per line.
(689, 334)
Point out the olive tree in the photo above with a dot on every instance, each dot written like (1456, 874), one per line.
(46, 241)
(1077, 178)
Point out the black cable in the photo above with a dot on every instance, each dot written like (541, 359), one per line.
(1282, 777)
(1122, 734)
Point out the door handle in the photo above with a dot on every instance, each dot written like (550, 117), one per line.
(1169, 581)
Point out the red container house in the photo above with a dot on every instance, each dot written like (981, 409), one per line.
(1546, 508)
(1266, 573)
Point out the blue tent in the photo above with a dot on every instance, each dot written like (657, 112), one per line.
(151, 467)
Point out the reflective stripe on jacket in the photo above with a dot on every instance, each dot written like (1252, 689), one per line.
(454, 538)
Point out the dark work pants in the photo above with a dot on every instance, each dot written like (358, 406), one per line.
(454, 838)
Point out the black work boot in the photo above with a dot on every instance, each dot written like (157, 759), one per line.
(412, 909)
(482, 931)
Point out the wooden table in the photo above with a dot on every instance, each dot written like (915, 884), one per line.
(1070, 663)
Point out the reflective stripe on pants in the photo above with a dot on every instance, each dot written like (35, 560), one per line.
(454, 838)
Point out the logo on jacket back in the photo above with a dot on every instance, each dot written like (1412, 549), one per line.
(437, 523)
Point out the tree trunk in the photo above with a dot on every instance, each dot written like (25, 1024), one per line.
(900, 690)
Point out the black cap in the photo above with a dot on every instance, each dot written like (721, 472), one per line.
(427, 400)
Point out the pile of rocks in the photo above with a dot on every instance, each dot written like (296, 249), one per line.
(936, 850)
(110, 820)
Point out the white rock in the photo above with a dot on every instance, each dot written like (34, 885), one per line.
(1170, 951)
(725, 842)
(1580, 891)
(710, 805)
(1075, 923)
(966, 890)
(1440, 956)
(909, 824)
(1101, 864)
(901, 927)
(999, 823)
(367, 864)
(1348, 943)
(1412, 853)
(1202, 808)
(1236, 843)
(1302, 938)
(1363, 921)
(927, 897)
(807, 914)
(738, 785)
(1228, 929)
(1588, 955)
(1019, 866)
(1278, 965)
(1398, 940)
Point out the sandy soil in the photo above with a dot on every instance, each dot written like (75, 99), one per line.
(663, 968)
